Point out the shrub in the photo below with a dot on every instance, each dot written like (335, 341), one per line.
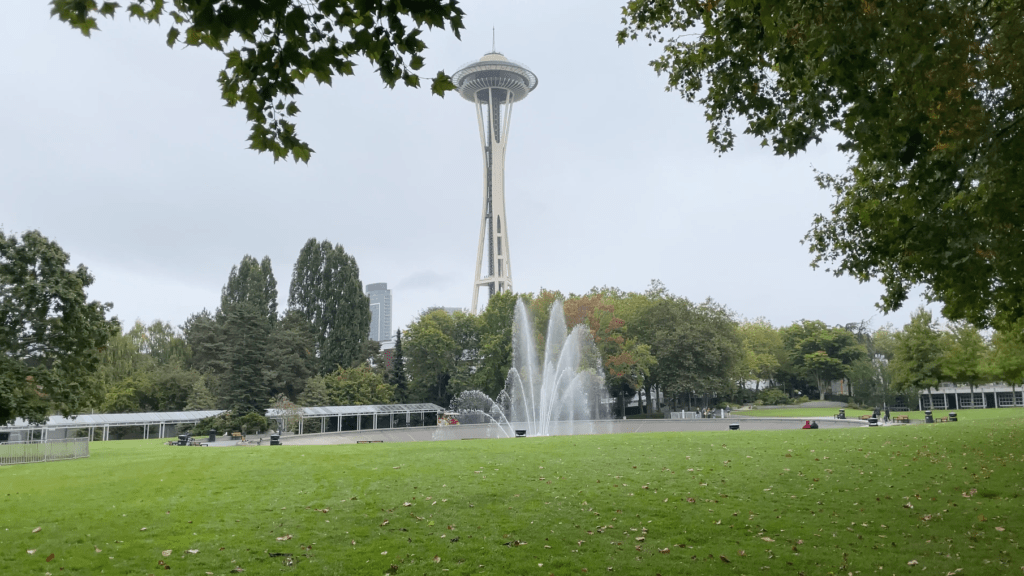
(774, 396)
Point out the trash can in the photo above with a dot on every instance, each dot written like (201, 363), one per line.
(952, 416)
(182, 439)
(520, 433)
(842, 413)
(872, 421)
(275, 439)
(213, 436)
(734, 426)
(928, 417)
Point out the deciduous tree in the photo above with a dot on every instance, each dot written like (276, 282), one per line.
(926, 98)
(271, 47)
(917, 364)
(51, 335)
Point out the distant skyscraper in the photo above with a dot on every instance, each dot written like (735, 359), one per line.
(380, 311)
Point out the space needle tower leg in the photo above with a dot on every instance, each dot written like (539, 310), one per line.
(493, 84)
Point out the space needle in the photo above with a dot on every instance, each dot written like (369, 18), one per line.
(493, 83)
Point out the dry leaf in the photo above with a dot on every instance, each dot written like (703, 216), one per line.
(767, 539)
(30, 551)
(639, 538)
(437, 559)
(237, 570)
(193, 551)
(385, 523)
(384, 553)
(1000, 529)
(285, 537)
(407, 504)
(724, 559)
(98, 550)
(50, 557)
(912, 563)
(166, 553)
(37, 529)
(664, 550)
(143, 529)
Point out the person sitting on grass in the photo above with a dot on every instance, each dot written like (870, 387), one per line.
(814, 425)
(807, 425)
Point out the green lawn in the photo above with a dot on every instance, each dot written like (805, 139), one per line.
(889, 500)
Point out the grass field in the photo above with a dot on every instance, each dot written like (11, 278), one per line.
(936, 499)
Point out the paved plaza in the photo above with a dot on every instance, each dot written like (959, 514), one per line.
(478, 431)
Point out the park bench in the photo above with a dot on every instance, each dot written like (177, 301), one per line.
(237, 436)
(864, 416)
(943, 419)
(901, 419)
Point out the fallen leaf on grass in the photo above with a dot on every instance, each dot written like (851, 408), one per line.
(37, 529)
(385, 523)
(143, 529)
(285, 537)
(30, 551)
(166, 553)
(193, 551)
(237, 570)
(98, 550)
(912, 563)
(1000, 529)
(437, 559)
(724, 559)
(767, 539)
(50, 557)
(384, 553)
(664, 550)
(407, 504)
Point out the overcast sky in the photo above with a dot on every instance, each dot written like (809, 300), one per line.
(120, 149)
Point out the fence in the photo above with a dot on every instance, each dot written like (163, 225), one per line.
(26, 451)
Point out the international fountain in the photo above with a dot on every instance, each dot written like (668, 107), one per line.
(557, 394)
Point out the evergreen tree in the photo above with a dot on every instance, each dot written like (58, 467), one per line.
(252, 282)
(315, 393)
(327, 292)
(397, 377)
(200, 398)
(246, 336)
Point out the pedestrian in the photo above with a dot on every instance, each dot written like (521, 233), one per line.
(887, 414)
(814, 425)
(807, 425)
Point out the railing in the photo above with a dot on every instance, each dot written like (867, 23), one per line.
(27, 451)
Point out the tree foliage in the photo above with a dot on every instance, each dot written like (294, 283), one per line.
(253, 283)
(358, 386)
(51, 335)
(271, 47)
(918, 358)
(823, 354)
(326, 291)
(927, 96)
(443, 352)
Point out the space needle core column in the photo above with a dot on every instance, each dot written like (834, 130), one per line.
(493, 83)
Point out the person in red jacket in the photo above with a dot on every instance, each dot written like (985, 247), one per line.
(807, 425)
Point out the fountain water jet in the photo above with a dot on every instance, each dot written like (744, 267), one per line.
(561, 393)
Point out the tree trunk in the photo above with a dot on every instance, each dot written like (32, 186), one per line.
(821, 389)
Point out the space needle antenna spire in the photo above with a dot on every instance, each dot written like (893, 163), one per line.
(493, 83)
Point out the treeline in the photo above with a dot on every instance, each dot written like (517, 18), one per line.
(671, 352)
(245, 355)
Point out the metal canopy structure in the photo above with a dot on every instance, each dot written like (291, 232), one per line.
(58, 426)
(370, 417)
